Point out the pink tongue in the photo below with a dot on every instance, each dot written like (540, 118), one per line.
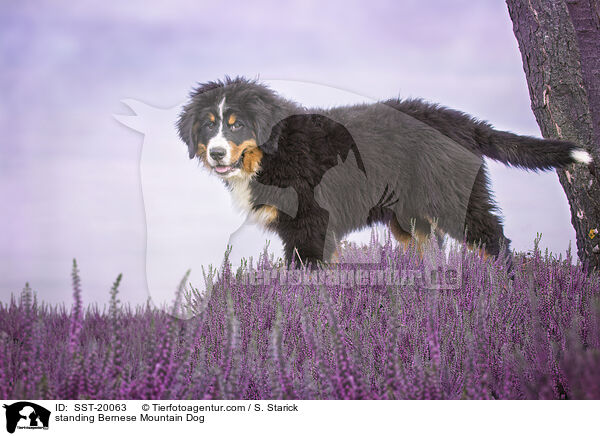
(221, 169)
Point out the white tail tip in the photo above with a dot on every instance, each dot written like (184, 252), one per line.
(581, 156)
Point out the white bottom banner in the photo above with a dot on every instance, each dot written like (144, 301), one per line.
(297, 417)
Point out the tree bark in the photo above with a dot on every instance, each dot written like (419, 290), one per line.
(559, 42)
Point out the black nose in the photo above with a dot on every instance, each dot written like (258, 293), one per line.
(218, 153)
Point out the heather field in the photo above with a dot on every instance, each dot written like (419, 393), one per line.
(257, 333)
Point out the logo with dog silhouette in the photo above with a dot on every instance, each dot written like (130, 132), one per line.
(26, 415)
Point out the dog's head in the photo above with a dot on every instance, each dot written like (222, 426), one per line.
(227, 124)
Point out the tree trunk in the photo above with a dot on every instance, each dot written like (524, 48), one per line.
(560, 45)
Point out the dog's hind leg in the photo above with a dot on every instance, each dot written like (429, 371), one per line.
(399, 233)
(405, 238)
(483, 226)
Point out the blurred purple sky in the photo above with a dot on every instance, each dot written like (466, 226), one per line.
(69, 172)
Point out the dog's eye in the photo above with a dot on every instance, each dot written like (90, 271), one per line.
(236, 126)
(211, 125)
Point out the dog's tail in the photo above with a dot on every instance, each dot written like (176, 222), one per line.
(480, 138)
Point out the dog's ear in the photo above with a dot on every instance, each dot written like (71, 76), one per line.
(186, 127)
(269, 114)
(266, 133)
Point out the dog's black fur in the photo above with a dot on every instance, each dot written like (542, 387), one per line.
(394, 162)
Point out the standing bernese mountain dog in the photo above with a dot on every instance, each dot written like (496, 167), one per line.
(314, 175)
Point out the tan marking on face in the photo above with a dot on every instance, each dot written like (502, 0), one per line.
(201, 149)
(201, 153)
(231, 119)
(211, 117)
(236, 150)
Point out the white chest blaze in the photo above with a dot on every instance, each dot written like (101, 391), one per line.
(240, 193)
(242, 200)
